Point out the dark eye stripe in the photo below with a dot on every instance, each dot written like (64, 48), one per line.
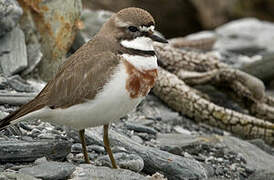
(132, 28)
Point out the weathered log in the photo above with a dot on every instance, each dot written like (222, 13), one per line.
(204, 68)
(182, 98)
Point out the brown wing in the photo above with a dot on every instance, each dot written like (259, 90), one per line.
(79, 79)
(78, 84)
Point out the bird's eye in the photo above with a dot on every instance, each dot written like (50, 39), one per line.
(132, 28)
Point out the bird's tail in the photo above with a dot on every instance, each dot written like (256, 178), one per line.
(31, 106)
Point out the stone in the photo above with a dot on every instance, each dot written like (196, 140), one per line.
(49, 170)
(175, 143)
(140, 128)
(34, 57)
(56, 23)
(27, 151)
(19, 84)
(181, 130)
(3, 82)
(88, 171)
(76, 148)
(262, 145)
(255, 157)
(15, 175)
(262, 67)
(3, 114)
(137, 139)
(16, 98)
(245, 34)
(92, 22)
(172, 166)
(13, 55)
(260, 175)
(96, 148)
(124, 160)
(10, 13)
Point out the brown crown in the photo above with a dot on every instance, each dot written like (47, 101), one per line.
(137, 16)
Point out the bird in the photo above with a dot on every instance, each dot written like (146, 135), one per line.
(105, 79)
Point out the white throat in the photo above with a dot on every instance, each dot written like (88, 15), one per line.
(139, 43)
(142, 63)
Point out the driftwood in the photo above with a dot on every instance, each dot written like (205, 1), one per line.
(184, 99)
(183, 68)
(196, 68)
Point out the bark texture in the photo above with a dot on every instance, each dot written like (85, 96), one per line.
(184, 99)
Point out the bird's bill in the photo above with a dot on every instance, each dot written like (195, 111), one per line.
(157, 38)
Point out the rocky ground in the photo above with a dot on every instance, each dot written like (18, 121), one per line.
(153, 142)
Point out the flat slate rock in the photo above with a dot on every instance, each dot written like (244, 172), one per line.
(13, 53)
(16, 176)
(49, 170)
(19, 84)
(27, 151)
(255, 157)
(172, 166)
(88, 171)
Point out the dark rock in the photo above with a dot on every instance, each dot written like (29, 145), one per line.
(124, 160)
(22, 151)
(15, 175)
(50, 170)
(10, 13)
(262, 68)
(19, 84)
(13, 55)
(140, 128)
(88, 171)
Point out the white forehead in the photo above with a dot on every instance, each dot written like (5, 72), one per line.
(144, 28)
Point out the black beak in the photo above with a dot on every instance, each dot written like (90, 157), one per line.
(157, 38)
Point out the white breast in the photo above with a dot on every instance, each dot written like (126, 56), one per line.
(142, 63)
(110, 104)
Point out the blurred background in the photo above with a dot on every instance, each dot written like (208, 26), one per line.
(182, 17)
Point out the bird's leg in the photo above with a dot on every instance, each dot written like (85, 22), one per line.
(107, 147)
(84, 147)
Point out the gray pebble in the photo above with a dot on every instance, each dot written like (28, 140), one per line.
(50, 170)
(96, 148)
(126, 161)
(140, 128)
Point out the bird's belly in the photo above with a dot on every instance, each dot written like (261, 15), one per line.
(110, 104)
